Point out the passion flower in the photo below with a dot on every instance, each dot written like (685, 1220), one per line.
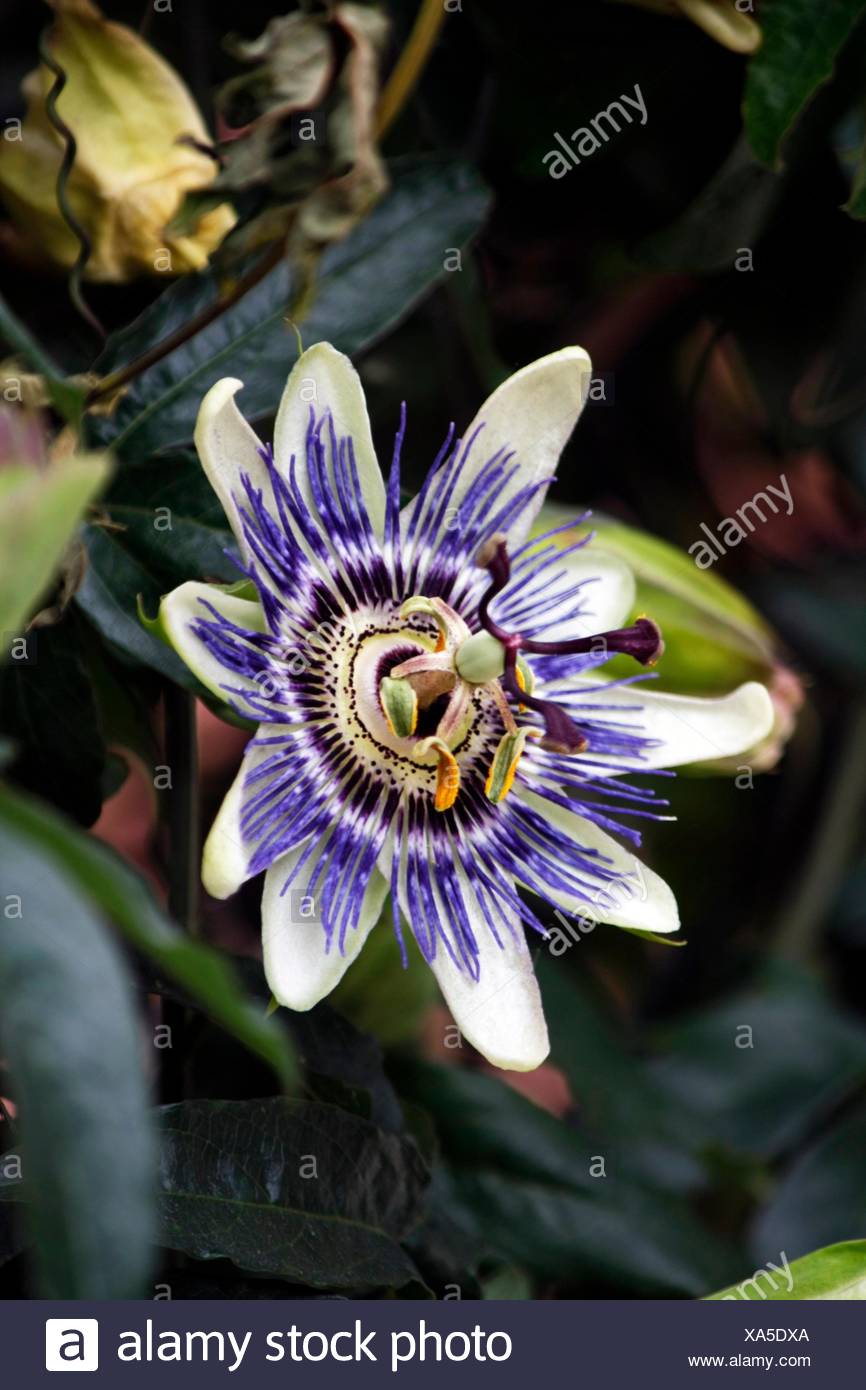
(432, 724)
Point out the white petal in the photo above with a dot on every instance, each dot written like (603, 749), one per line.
(531, 414)
(689, 729)
(225, 858)
(227, 447)
(604, 601)
(299, 969)
(325, 379)
(643, 901)
(178, 609)
(501, 1013)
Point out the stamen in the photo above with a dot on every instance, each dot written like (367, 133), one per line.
(400, 705)
(642, 641)
(504, 765)
(561, 735)
(525, 679)
(447, 772)
(493, 556)
(452, 628)
(431, 675)
(450, 724)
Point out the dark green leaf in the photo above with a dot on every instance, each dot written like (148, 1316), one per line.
(333, 1052)
(172, 522)
(48, 709)
(837, 1272)
(801, 41)
(73, 1045)
(366, 284)
(124, 896)
(644, 1241)
(728, 215)
(165, 526)
(109, 596)
(289, 1188)
(755, 1071)
(481, 1120)
(125, 707)
(545, 1195)
(822, 1197)
(615, 1094)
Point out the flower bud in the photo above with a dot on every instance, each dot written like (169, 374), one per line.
(714, 639)
(133, 121)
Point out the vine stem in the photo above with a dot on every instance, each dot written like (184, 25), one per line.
(70, 152)
(181, 819)
(254, 276)
(410, 65)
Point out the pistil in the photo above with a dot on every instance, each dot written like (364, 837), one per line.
(642, 641)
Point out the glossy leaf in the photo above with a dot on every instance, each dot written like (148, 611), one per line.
(756, 1070)
(821, 1197)
(620, 1234)
(837, 1272)
(72, 1040)
(547, 1196)
(613, 1090)
(109, 594)
(170, 520)
(120, 893)
(290, 1188)
(801, 41)
(729, 213)
(164, 525)
(398, 251)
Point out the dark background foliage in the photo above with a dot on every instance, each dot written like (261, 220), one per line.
(718, 1157)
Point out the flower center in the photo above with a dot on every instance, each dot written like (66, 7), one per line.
(418, 694)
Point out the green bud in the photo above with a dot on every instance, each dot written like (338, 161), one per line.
(714, 638)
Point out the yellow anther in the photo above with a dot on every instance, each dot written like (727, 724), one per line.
(399, 706)
(523, 675)
(447, 782)
(447, 771)
(500, 778)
